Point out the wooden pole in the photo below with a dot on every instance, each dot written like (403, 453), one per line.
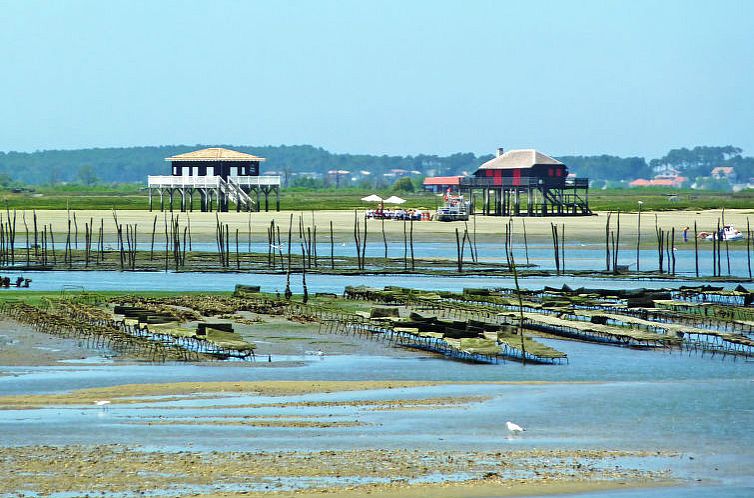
(364, 246)
(52, 241)
(303, 279)
(384, 237)
(356, 238)
(288, 292)
(314, 246)
(411, 242)
(476, 250)
(154, 230)
(696, 250)
(638, 239)
(459, 261)
(26, 229)
(36, 238)
(616, 245)
(76, 227)
(332, 248)
(561, 242)
(672, 247)
(520, 309)
(526, 243)
(607, 242)
(748, 245)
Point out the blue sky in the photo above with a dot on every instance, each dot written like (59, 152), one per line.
(382, 77)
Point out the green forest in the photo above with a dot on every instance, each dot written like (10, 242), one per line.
(132, 164)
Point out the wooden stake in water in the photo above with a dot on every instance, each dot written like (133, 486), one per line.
(638, 238)
(696, 250)
(672, 247)
(405, 246)
(748, 245)
(364, 246)
(288, 292)
(151, 247)
(561, 242)
(607, 242)
(356, 240)
(332, 248)
(384, 237)
(520, 309)
(526, 242)
(616, 245)
(411, 243)
(26, 229)
(303, 279)
(459, 260)
(238, 259)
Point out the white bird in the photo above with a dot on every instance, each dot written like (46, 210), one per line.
(514, 428)
(102, 402)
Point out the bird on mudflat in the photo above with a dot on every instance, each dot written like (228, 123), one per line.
(514, 428)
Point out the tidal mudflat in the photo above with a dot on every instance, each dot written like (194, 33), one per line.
(329, 410)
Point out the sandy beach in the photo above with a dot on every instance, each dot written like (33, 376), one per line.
(586, 228)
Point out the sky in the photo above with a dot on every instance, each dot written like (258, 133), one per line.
(628, 78)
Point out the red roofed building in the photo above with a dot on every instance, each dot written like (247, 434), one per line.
(660, 181)
(441, 183)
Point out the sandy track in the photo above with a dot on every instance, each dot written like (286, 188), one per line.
(203, 224)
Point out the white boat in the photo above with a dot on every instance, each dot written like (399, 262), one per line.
(455, 209)
(727, 234)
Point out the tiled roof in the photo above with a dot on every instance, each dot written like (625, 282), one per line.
(214, 154)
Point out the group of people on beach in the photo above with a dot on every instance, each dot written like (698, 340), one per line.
(5, 282)
(397, 214)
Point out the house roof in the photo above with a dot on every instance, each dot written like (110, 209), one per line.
(640, 182)
(214, 154)
(723, 170)
(658, 182)
(442, 180)
(519, 158)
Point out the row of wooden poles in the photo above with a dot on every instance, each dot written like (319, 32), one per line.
(40, 243)
(666, 258)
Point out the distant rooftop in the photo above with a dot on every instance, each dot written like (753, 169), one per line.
(215, 154)
(519, 158)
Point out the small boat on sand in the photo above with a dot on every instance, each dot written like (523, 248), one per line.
(454, 209)
(727, 234)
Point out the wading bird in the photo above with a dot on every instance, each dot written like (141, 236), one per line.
(514, 428)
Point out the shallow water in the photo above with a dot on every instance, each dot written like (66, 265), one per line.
(698, 405)
(194, 281)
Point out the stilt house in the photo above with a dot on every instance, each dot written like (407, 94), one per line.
(219, 177)
(526, 182)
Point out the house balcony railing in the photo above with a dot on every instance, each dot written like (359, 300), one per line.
(166, 181)
(524, 181)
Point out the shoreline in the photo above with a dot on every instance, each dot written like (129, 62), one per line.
(487, 227)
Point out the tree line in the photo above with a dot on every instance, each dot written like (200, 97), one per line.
(133, 164)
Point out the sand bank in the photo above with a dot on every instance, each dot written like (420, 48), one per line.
(376, 472)
(203, 224)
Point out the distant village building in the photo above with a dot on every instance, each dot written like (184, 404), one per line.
(663, 180)
(526, 182)
(441, 183)
(724, 173)
(219, 177)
